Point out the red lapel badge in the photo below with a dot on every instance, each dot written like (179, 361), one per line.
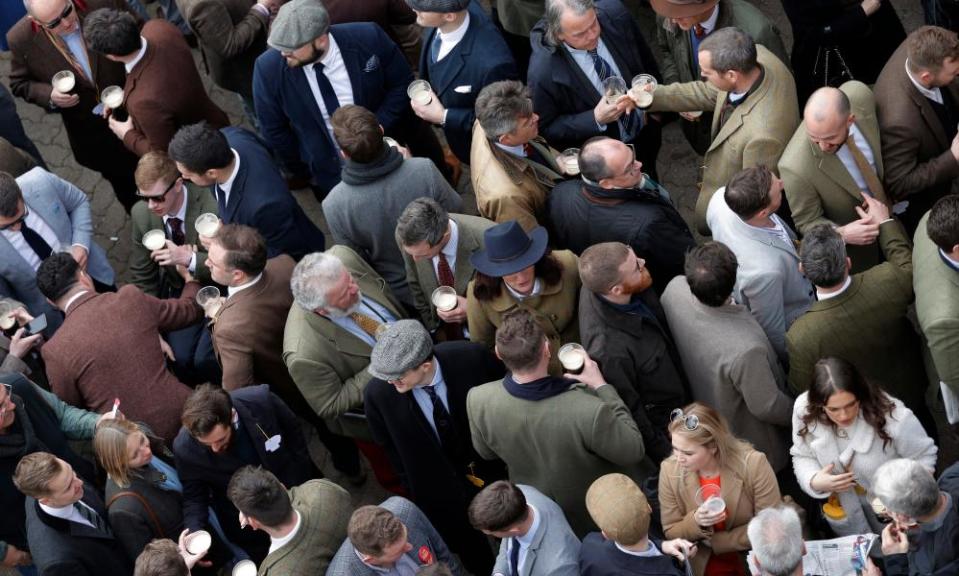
(425, 555)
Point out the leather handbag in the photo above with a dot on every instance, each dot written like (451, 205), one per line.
(146, 506)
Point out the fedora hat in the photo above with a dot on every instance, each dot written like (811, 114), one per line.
(509, 249)
(681, 8)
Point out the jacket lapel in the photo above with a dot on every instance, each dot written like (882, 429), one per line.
(297, 77)
(352, 59)
(236, 191)
(832, 166)
(926, 111)
(453, 62)
(466, 246)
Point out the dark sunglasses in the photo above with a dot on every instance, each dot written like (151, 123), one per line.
(160, 197)
(67, 10)
(17, 221)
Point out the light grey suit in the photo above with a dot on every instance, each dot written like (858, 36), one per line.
(66, 210)
(768, 281)
(554, 550)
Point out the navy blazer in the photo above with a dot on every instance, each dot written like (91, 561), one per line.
(600, 557)
(479, 59)
(290, 119)
(259, 198)
(563, 96)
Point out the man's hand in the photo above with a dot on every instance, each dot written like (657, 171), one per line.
(191, 559)
(167, 351)
(826, 481)
(184, 273)
(871, 569)
(679, 548)
(457, 314)
(79, 254)
(434, 112)
(876, 211)
(120, 128)
(16, 557)
(691, 116)
(591, 376)
(20, 345)
(173, 255)
(605, 113)
(860, 232)
(61, 100)
(894, 540)
(22, 316)
(870, 6)
(404, 152)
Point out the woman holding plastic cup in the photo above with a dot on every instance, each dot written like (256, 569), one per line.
(710, 488)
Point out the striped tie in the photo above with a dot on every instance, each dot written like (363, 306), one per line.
(604, 71)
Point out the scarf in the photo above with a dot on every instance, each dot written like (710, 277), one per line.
(635, 307)
(650, 190)
(536, 390)
(20, 439)
(356, 173)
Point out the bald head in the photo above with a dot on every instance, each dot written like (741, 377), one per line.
(47, 11)
(828, 116)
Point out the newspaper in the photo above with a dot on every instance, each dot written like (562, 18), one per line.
(844, 556)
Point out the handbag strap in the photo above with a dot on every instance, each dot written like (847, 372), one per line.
(146, 506)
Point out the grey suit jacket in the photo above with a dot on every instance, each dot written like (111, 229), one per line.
(554, 550)
(66, 210)
(428, 545)
(768, 281)
(421, 278)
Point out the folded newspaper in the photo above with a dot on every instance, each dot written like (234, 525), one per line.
(844, 556)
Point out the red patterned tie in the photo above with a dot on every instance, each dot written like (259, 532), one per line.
(699, 31)
(452, 330)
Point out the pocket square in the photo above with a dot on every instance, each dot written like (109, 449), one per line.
(463, 89)
(372, 64)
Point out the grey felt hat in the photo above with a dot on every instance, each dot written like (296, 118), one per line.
(402, 346)
(298, 23)
(438, 5)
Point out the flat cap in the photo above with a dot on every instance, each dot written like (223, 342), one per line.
(619, 508)
(438, 5)
(402, 346)
(682, 8)
(298, 23)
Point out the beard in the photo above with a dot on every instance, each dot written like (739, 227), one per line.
(644, 282)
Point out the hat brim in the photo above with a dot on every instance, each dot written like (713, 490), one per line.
(667, 9)
(537, 247)
(384, 376)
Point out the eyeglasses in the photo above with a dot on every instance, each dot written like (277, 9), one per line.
(67, 10)
(160, 197)
(19, 219)
(690, 421)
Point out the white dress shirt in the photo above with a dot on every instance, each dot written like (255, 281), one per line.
(143, 50)
(228, 185)
(933, 93)
(449, 251)
(334, 68)
(232, 290)
(36, 223)
(826, 296)
(277, 543)
(448, 41)
(68, 513)
(845, 156)
(537, 288)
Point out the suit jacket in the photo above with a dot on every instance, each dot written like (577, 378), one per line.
(756, 132)
(143, 271)
(867, 325)
(327, 363)
(937, 305)
(259, 198)
(563, 96)
(768, 280)
(601, 557)
(426, 542)
(915, 148)
(748, 487)
(560, 444)
(109, 347)
(164, 91)
(63, 548)
(66, 210)
(479, 59)
(732, 367)
(290, 119)
(232, 35)
(421, 278)
(132, 523)
(818, 185)
(554, 550)
(508, 187)
(680, 64)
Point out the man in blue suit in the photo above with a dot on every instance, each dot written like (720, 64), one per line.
(311, 70)
(41, 214)
(462, 53)
(249, 189)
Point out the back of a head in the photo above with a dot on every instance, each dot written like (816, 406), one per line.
(592, 158)
(423, 220)
(775, 535)
(501, 105)
(111, 32)
(927, 48)
(730, 49)
(372, 529)
(257, 493)
(57, 275)
(200, 147)
(943, 223)
(618, 506)
(519, 341)
(357, 131)
(10, 195)
(906, 487)
(599, 266)
(313, 277)
(155, 166)
(206, 408)
(748, 191)
(435, 569)
(245, 248)
(34, 473)
(823, 255)
(497, 507)
(553, 14)
(711, 273)
(160, 558)
(827, 104)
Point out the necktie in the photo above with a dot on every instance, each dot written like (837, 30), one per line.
(699, 31)
(452, 330)
(35, 241)
(366, 323)
(604, 71)
(435, 47)
(514, 557)
(533, 154)
(93, 518)
(326, 90)
(444, 424)
(220, 201)
(868, 174)
(176, 231)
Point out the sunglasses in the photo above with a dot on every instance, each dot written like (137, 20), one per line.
(20, 219)
(690, 421)
(67, 10)
(159, 197)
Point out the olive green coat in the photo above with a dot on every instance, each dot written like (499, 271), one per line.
(937, 305)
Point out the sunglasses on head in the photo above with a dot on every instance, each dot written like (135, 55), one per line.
(67, 10)
(690, 421)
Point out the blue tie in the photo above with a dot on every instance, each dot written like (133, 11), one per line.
(435, 47)
(514, 557)
(220, 201)
(604, 71)
(326, 90)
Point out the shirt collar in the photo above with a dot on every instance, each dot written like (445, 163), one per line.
(277, 543)
(143, 50)
(450, 249)
(332, 52)
(709, 25)
(236, 170)
(949, 261)
(649, 552)
(537, 288)
(232, 290)
(826, 296)
(181, 213)
(518, 150)
(930, 93)
(456, 35)
(73, 299)
(526, 539)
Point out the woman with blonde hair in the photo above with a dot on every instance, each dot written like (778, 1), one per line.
(710, 488)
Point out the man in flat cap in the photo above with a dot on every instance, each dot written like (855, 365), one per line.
(311, 70)
(462, 53)
(415, 403)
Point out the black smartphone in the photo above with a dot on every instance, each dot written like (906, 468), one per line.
(37, 325)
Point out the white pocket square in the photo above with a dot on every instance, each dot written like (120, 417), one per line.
(463, 89)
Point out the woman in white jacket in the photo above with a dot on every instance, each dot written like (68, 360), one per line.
(844, 428)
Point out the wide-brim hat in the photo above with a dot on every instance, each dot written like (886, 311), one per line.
(681, 8)
(509, 249)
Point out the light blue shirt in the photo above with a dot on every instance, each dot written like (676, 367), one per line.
(526, 539)
(405, 566)
(423, 399)
(74, 42)
(371, 309)
(585, 63)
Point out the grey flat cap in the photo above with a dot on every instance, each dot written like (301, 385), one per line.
(402, 346)
(298, 23)
(438, 5)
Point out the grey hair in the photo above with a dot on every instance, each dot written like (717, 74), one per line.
(423, 220)
(906, 487)
(823, 255)
(554, 12)
(730, 49)
(501, 105)
(776, 537)
(312, 279)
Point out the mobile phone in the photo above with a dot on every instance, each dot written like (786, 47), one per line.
(36, 326)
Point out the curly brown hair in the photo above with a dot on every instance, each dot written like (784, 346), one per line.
(548, 269)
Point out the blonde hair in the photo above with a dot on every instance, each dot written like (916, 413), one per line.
(110, 446)
(713, 432)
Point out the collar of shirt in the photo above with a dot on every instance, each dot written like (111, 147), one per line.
(648, 553)
(449, 250)
(181, 213)
(826, 296)
(403, 567)
(226, 186)
(937, 522)
(949, 261)
(277, 543)
(449, 40)
(537, 288)
(518, 150)
(77, 47)
(73, 299)
(143, 50)
(709, 25)
(68, 513)
(332, 53)
(931, 93)
(38, 225)
(423, 399)
(232, 290)
(585, 63)
(526, 539)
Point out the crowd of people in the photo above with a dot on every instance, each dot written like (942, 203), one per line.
(570, 381)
